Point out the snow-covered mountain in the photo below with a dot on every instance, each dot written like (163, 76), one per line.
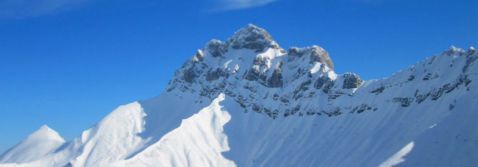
(248, 102)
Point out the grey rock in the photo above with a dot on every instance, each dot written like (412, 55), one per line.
(323, 80)
(378, 90)
(404, 101)
(430, 76)
(215, 74)
(454, 51)
(334, 96)
(260, 61)
(451, 107)
(284, 99)
(351, 80)
(252, 75)
(304, 86)
(275, 80)
(470, 60)
(257, 108)
(315, 53)
(361, 108)
(334, 112)
(295, 109)
(198, 57)
(319, 54)
(272, 114)
(189, 75)
(328, 86)
(421, 97)
(216, 48)
(294, 53)
(252, 37)
(255, 75)
(435, 94)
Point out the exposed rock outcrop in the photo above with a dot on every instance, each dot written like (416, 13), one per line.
(351, 80)
(252, 37)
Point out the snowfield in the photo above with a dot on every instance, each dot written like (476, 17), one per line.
(248, 102)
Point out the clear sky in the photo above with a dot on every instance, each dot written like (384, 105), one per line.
(69, 63)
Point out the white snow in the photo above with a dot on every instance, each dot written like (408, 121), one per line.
(398, 157)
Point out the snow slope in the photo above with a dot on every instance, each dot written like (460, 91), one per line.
(248, 102)
(40, 143)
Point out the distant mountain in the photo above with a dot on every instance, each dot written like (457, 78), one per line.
(248, 102)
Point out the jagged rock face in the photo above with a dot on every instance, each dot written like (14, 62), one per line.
(216, 48)
(189, 75)
(352, 80)
(251, 63)
(324, 83)
(253, 70)
(252, 37)
(216, 74)
(275, 81)
(318, 54)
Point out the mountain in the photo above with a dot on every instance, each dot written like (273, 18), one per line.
(248, 102)
(40, 143)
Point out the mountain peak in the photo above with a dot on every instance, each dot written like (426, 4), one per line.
(455, 51)
(252, 37)
(46, 132)
(252, 57)
(251, 28)
(40, 143)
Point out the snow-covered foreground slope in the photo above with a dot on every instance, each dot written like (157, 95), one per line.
(248, 102)
(40, 143)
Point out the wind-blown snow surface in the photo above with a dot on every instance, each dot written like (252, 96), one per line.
(38, 144)
(247, 102)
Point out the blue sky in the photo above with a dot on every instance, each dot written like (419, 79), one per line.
(69, 63)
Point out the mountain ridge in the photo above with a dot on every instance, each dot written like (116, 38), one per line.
(248, 102)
